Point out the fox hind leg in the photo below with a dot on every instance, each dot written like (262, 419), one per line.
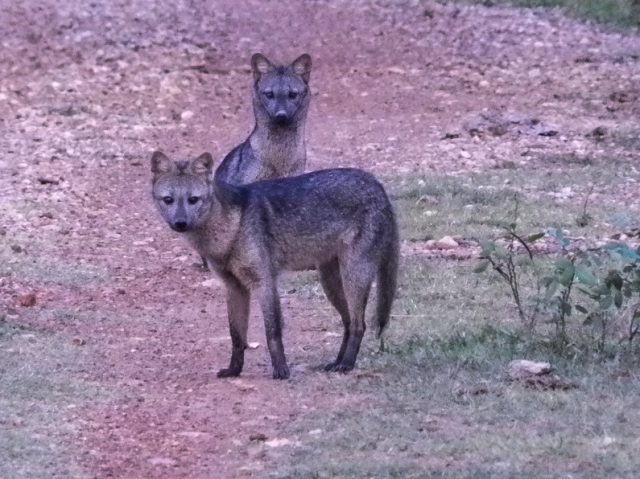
(269, 301)
(356, 275)
(332, 284)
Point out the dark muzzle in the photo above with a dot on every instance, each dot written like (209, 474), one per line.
(282, 118)
(180, 226)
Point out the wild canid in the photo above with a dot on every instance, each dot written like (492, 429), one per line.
(339, 221)
(276, 146)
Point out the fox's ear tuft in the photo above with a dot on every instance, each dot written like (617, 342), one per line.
(203, 165)
(302, 66)
(260, 65)
(160, 163)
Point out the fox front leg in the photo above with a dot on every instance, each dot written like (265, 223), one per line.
(238, 300)
(270, 304)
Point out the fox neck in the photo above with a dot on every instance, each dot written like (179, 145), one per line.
(217, 231)
(282, 146)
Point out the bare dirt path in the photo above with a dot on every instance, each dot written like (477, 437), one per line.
(89, 90)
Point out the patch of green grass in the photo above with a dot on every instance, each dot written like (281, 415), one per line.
(474, 204)
(53, 271)
(305, 284)
(37, 398)
(437, 402)
(626, 136)
(415, 424)
(625, 13)
(27, 265)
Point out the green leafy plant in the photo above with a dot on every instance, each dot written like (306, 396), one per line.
(511, 263)
(616, 291)
(606, 278)
(585, 218)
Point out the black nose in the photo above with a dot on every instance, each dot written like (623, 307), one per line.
(281, 117)
(180, 226)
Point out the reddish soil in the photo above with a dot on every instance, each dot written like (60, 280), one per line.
(89, 90)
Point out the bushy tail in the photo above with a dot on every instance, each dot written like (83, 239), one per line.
(386, 284)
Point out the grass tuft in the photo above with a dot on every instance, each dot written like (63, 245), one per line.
(624, 13)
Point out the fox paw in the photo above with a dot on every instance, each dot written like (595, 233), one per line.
(338, 367)
(281, 373)
(228, 373)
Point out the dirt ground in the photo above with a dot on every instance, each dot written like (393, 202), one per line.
(89, 90)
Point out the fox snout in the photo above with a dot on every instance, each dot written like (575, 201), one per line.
(281, 117)
(179, 226)
(180, 219)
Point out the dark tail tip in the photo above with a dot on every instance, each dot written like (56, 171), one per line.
(387, 283)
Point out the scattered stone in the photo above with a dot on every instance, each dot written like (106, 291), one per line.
(28, 300)
(431, 244)
(243, 386)
(212, 283)
(16, 248)
(499, 123)
(78, 341)
(451, 136)
(432, 9)
(258, 437)
(278, 442)
(447, 243)
(622, 97)
(523, 368)
(498, 130)
(599, 131)
(427, 200)
(193, 434)
(163, 461)
(397, 70)
(537, 375)
(548, 133)
(565, 192)
(47, 181)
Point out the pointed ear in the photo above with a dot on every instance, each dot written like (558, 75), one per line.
(302, 66)
(160, 163)
(260, 65)
(203, 165)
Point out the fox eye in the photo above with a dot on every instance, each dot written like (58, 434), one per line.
(293, 95)
(193, 200)
(269, 94)
(167, 200)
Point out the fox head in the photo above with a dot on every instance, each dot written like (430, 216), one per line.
(281, 92)
(182, 190)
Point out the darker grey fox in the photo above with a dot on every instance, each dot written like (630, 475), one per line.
(339, 221)
(276, 146)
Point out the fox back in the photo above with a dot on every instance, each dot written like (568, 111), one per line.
(276, 147)
(305, 220)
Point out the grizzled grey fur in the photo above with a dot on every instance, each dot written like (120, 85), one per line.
(339, 221)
